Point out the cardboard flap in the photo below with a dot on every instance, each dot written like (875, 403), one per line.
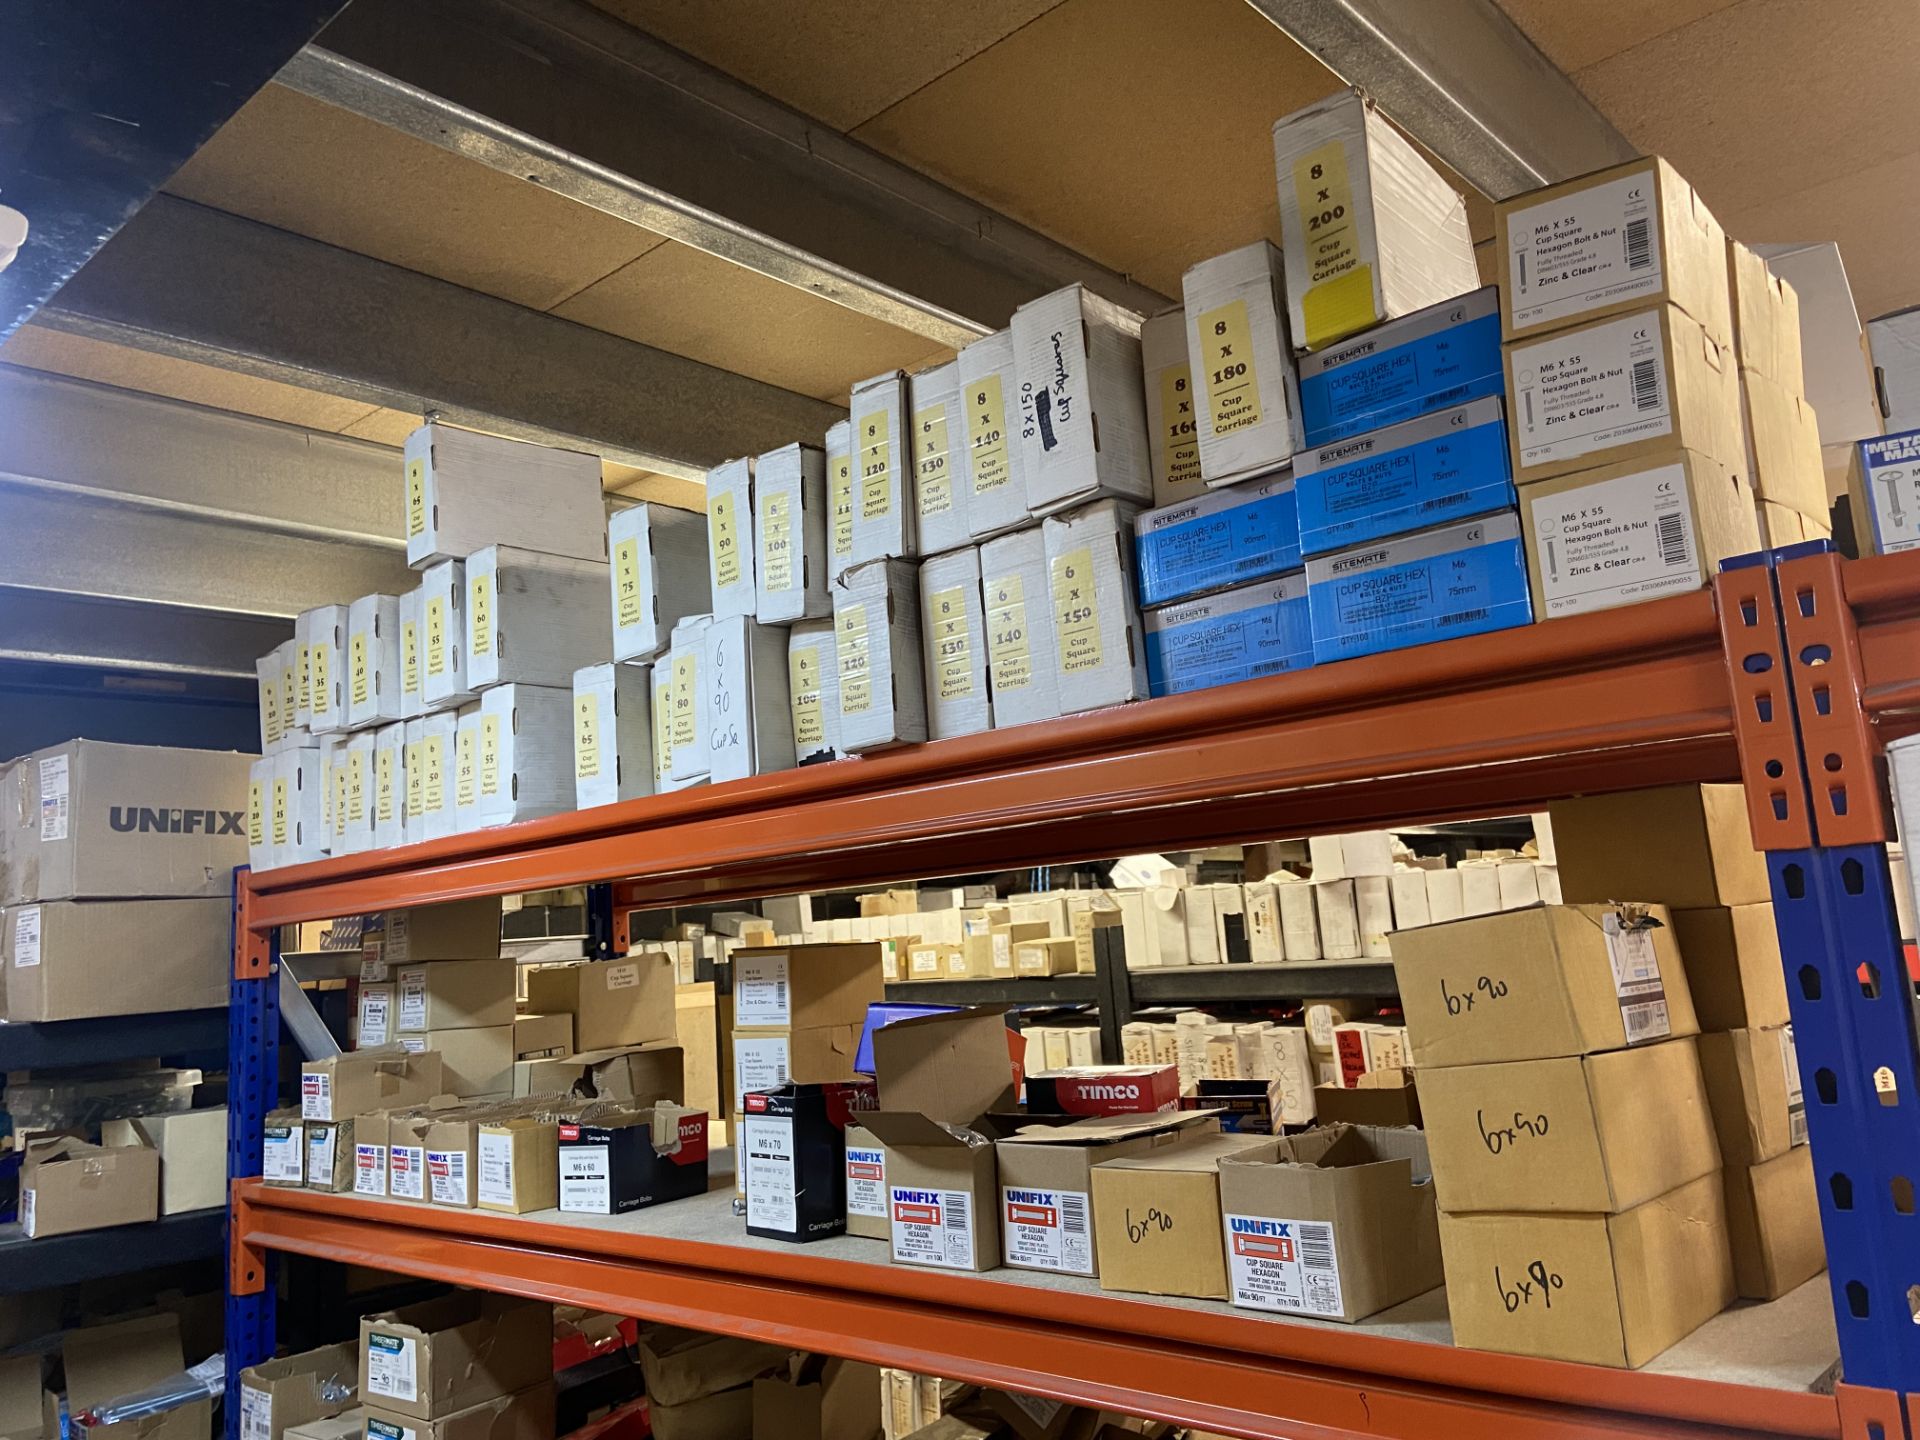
(1110, 1129)
(950, 1067)
(903, 1128)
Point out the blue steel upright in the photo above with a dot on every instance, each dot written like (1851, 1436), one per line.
(253, 1045)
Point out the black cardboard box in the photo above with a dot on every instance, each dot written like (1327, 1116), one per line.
(624, 1160)
(793, 1157)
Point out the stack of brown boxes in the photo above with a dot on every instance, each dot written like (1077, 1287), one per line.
(1783, 433)
(797, 1013)
(465, 1366)
(624, 1029)
(701, 1385)
(1573, 1152)
(447, 990)
(1702, 863)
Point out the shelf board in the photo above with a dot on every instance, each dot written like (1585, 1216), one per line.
(1196, 1362)
(55, 1043)
(1033, 990)
(1292, 980)
(27, 1265)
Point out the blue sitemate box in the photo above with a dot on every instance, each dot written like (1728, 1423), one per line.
(1259, 629)
(1412, 476)
(1462, 579)
(1224, 538)
(1433, 359)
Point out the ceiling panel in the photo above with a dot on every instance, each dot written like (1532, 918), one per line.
(1577, 33)
(1870, 212)
(384, 427)
(708, 309)
(296, 163)
(842, 63)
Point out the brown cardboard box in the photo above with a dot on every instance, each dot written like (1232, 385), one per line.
(951, 1067)
(105, 1362)
(28, 1411)
(67, 1185)
(516, 1164)
(1623, 1287)
(1336, 1222)
(472, 1062)
(1536, 983)
(941, 1192)
(685, 1365)
(542, 1037)
(457, 930)
(821, 1398)
(192, 1146)
(638, 1074)
(866, 1185)
(363, 1081)
(1037, 1417)
(1156, 1219)
(1619, 534)
(428, 1360)
(724, 1416)
(1773, 1225)
(430, 1153)
(331, 1148)
(1046, 1183)
(624, 1001)
(800, 987)
(279, 1394)
(933, 961)
(1780, 526)
(524, 1415)
(1766, 319)
(453, 995)
(283, 1148)
(1753, 1087)
(1616, 240)
(768, 1059)
(1599, 1134)
(1382, 1097)
(1004, 942)
(1734, 972)
(77, 959)
(349, 1424)
(1679, 845)
(1783, 458)
(1055, 955)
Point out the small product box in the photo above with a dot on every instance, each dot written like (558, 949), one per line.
(1157, 1220)
(839, 446)
(1104, 1090)
(513, 756)
(523, 1415)
(687, 709)
(1442, 467)
(431, 743)
(373, 661)
(613, 1163)
(1884, 483)
(353, 809)
(660, 575)
(866, 1184)
(427, 1361)
(453, 995)
(296, 824)
(799, 987)
(342, 1086)
(390, 785)
(993, 466)
(1463, 579)
(1372, 231)
(1248, 411)
(1260, 629)
(790, 525)
(749, 715)
(1218, 540)
(876, 619)
(279, 1395)
(1019, 628)
(443, 636)
(939, 491)
(1753, 1086)
(270, 673)
(793, 1144)
(323, 630)
(283, 1153)
(1173, 436)
(1782, 453)
(465, 490)
(474, 1061)
(942, 1192)
(882, 451)
(67, 1186)
(1098, 658)
(730, 547)
(1706, 857)
(612, 734)
(1433, 359)
(516, 1164)
(261, 854)
(412, 701)
(533, 619)
(1773, 1225)
(953, 629)
(1083, 422)
(813, 690)
(1055, 955)
(542, 1037)
(662, 684)
(1624, 388)
(1735, 973)
(614, 1003)
(1624, 533)
(1616, 240)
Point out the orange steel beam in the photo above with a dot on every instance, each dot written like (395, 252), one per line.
(1635, 696)
(1225, 1371)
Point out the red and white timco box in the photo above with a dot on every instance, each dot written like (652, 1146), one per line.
(1104, 1090)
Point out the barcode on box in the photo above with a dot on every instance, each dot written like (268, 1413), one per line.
(1639, 244)
(1462, 617)
(1670, 532)
(1073, 1213)
(1646, 385)
(955, 1209)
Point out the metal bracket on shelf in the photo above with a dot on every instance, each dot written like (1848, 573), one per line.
(309, 1031)
(1756, 658)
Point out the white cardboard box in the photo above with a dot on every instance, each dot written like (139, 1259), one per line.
(270, 671)
(994, 463)
(1339, 919)
(1173, 436)
(939, 489)
(323, 630)
(390, 785)
(1445, 897)
(1019, 621)
(415, 765)
(1371, 231)
(882, 510)
(876, 622)
(465, 490)
(1895, 341)
(293, 728)
(612, 734)
(333, 788)
(954, 631)
(839, 499)
(790, 525)
(687, 714)
(730, 548)
(662, 683)
(813, 690)
(443, 636)
(413, 700)
(1373, 906)
(373, 661)
(514, 756)
(1083, 419)
(534, 619)
(659, 574)
(437, 817)
(1411, 909)
(353, 810)
(1098, 657)
(749, 717)
(1299, 920)
(297, 814)
(260, 850)
(1246, 394)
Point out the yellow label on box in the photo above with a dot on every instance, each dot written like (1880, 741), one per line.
(871, 439)
(626, 583)
(856, 663)
(358, 674)
(586, 736)
(1226, 359)
(480, 614)
(436, 635)
(1182, 434)
(489, 754)
(416, 778)
(662, 733)
(1076, 613)
(416, 498)
(336, 782)
(987, 434)
(842, 496)
(466, 766)
(803, 683)
(725, 537)
(930, 461)
(776, 542)
(433, 783)
(952, 645)
(1338, 300)
(321, 700)
(269, 711)
(410, 658)
(295, 674)
(1008, 652)
(356, 798)
(256, 812)
(279, 809)
(686, 673)
(385, 791)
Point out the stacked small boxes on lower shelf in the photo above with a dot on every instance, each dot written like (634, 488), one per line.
(466, 1366)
